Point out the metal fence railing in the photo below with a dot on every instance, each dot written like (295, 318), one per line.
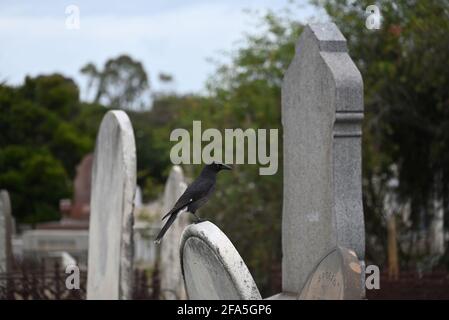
(41, 282)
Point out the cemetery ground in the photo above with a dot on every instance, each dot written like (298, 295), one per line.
(337, 220)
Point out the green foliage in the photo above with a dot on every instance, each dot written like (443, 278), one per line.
(55, 92)
(39, 146)
(36, 181)
(152, 131)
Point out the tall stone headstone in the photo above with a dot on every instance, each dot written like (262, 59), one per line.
(110, 256)
(322, 111)
(212, 267)
(6, 231)
(170, 266)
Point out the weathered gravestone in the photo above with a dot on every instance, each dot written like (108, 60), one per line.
(111, 216)
(335, 277)
(322, 111)
(82, 188)
(212, 267)
(6, 226)
(170, 266)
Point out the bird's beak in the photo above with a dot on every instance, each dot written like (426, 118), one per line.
(226, 167)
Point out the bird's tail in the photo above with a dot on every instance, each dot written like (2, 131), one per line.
(165, 227)
(178, 208)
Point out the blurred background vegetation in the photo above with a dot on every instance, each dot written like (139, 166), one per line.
(46, 129)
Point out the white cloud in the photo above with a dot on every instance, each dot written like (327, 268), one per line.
(176, 41)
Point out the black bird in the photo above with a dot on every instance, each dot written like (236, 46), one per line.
(195, 195)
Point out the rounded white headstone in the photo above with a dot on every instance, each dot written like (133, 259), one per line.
(212, 267)
(111, 215)
(336, 277)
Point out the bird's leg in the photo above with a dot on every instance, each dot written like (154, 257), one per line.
(198, 219)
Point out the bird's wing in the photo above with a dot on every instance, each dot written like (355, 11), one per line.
(178, 206)
(197, 190)
(201, 201)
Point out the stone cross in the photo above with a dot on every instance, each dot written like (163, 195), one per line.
(322, 111)
(170, 266)
(111, 217)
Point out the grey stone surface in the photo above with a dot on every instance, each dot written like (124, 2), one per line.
(283, 296)
(335, 277)
(6, 226)
(212, 267)
(322, 111)
(170, 265)
(39, 244)
(111, 219)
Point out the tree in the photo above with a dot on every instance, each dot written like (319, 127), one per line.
(36, 182)
(39, 145)
(122, 83)
(55, 92)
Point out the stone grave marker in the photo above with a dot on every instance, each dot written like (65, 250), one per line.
(322, 111)
(6, 230)
(111, 217)
(212, 267)
(170, 265)
(82, 188)
(335, 277)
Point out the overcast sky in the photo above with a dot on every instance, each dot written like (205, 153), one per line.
(171, 36)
